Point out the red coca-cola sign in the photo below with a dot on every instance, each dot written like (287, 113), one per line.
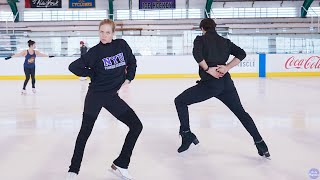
(312, 62)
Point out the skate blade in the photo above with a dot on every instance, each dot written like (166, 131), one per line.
(267, 157)
(118, 174)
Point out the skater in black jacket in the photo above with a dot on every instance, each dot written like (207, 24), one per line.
(212, 51)
(110, 65)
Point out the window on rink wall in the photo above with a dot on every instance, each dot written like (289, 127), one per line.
(64, 15)
(314, 45)
(74, 44)
(286, 45)
(48, 45)
(177, 45)
(165, 43)
(255, 12)
(147, 45)
(251, 44)
(188, 38)
(313, 11)
(6, 16)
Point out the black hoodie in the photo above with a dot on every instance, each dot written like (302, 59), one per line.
(215, 50)
(108, 66)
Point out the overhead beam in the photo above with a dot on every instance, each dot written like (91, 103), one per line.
(111, 14)
(305, 7)
(130, 9)
(207, 13)
(14, 9)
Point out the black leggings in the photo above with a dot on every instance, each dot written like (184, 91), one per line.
(119, 109)
(29, 72)
(225, 91)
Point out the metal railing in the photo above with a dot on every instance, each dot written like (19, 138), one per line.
(314, 14)
(13, 18)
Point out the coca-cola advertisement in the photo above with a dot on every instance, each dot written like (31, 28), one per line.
(43, 4)
(293, 63)
(312, 62)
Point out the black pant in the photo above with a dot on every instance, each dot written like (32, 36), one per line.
(118, 108)
(225, 91)
(29, 72)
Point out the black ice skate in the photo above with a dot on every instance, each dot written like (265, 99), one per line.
(187, 139)
(263, 149)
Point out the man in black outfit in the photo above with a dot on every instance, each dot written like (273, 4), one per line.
(83, 48)
(212, 51)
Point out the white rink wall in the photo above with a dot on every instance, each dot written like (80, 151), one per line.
(254, 65)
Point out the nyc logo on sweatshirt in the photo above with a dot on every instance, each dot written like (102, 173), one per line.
(114, 61)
